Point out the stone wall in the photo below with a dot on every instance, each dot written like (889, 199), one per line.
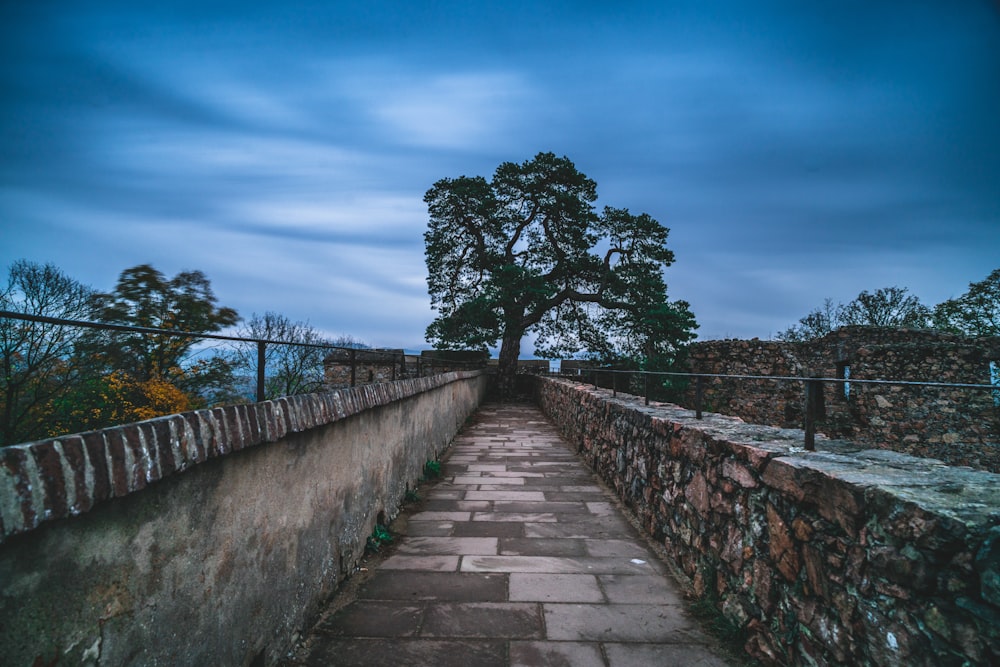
(958, 426)
(349, 368)
(845, 555)
(210, 537)
(354, 368)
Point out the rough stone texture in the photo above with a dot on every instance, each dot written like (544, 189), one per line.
(839, 556)
(344, 368)
(957, 426)
(209, 537)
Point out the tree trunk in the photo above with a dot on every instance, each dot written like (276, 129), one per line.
(510, 350)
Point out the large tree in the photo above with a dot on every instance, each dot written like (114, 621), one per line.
(527, 253)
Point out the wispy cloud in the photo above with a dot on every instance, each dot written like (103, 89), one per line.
(443, 110)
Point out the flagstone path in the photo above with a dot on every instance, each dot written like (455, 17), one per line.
(517, 557)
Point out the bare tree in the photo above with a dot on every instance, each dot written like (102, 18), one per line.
(288, 369)
(38, 365)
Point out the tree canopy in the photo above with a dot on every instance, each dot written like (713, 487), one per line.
(975, 313)
(527, 253)
(887, 307)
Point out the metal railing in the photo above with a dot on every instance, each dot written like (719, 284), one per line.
(398, 358)
(812, 398)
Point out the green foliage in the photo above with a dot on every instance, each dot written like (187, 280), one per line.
(144, 297)
(975, 313)
(58, 379)
(432, 469)
(527, 253)
(380, 537)
(887, 307)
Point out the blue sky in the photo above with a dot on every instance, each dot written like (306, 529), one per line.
(797, 151)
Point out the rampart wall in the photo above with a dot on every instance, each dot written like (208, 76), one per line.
(957, 426)
(210, 537)
(845, 555)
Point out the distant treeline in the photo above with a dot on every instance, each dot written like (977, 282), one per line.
(58, 379)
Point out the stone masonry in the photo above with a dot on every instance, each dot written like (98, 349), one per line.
(958, 426)
(845, 555)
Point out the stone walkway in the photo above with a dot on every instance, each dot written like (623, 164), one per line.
(517, 557)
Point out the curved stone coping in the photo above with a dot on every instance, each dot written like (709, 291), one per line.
(68, 475)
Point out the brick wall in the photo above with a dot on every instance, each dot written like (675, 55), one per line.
(958, 426)
(845, 555)
(210, 537)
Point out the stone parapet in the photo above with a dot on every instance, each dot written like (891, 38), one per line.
(68, 475)
(960, 426)
(210, 537)
(845, 555)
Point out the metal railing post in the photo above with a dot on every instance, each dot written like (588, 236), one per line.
(645, 385)
(699, 395)
(813, 399)
(354, 367)
(261, 345)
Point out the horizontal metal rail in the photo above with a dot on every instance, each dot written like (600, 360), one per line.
(260, 342)
(796, 378)
(813, 399)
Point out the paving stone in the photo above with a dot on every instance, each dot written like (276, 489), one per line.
(556, 494)
(429, 563)
(491, 481)
(616, 548)
(488, 528)
(556, 654)
(374, 618)
(429, 528)
(441, 516)
(448, 494)
(619, 622)
(515, 517)
(519, 475)
(639, 589)
(542, 547)
(504, 495)
(353, 652)
(441, 505)
(602, 509)
(454, 587)
(578, 530)
(526, 587)
(493, 620)
(554, 565)
(444, 546)
(543, 506)
(643, 655)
